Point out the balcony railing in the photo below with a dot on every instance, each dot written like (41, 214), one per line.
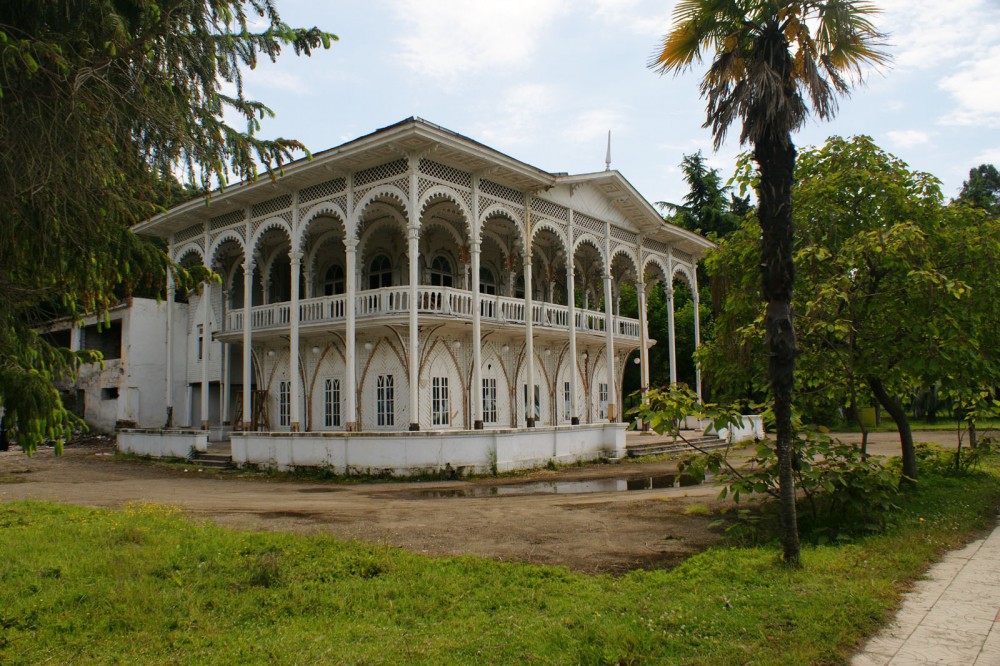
(434, 301)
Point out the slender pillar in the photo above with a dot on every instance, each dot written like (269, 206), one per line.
(170, 348)
(414, 331)
(224, 384)
(529, 341)
(477, 343)
(571, 305)
(248, 267)
(350, 335)
(206, 297)
(671, 337)
(610, 326)
(697, 334)
(640, 288)
(293, 342)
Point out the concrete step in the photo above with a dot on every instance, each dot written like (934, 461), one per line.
(213, 459)
(679, 446)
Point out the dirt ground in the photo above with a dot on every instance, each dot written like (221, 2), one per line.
(610, 532)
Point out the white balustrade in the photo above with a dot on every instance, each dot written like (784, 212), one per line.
(431, 300)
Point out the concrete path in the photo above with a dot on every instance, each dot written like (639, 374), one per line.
(952, 617)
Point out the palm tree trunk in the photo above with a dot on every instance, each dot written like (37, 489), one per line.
(775, 156)
(898, 414)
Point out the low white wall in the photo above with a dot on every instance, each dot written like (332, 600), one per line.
(751, 430)
(162, 443)
(405, 453)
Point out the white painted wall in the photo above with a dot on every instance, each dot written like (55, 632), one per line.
(162, 443)
(405, 454)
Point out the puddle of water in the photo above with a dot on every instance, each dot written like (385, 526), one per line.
(554, 487)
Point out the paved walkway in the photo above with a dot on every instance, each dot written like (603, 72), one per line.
(952, 617)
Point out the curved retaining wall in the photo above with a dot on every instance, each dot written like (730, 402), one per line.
(407, 454)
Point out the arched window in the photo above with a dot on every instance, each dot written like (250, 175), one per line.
(487, 282)
(441, 272)
(333, 281)
(380, 272)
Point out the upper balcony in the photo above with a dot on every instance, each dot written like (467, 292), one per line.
(392, 305)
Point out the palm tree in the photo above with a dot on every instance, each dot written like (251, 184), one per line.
(773, 60)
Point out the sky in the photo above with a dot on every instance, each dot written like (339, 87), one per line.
(545, 80)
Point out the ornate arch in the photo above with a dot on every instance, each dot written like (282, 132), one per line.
(546, 224)
(187, 249)
(685, 273)
(498, 210)
(373, 196)
(323, 208)
(225, 237)
(442, 192)
(659, 265)
(588, 239)
(629, 255)
(269, 224)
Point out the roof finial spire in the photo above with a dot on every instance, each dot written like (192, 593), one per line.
(607, 158)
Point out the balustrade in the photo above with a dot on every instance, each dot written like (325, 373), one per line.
(432, 301)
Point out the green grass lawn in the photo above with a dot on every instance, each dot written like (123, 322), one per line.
(149, 585)
(940, 423)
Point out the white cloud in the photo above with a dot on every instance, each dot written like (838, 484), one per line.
(926, 34)
(449, 39)
(908, 138)
(635, 16)
(517, 116)
(988, 156)
(593, 125)
(975, 87)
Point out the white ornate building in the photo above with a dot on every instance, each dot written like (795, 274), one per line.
(414, 280)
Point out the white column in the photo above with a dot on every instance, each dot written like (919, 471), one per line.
(671, 338)
(640, 288)
(477, 343)
(224, 386)
(293, 343)
(206, 297)
(571, 305)
(170, 347)
(697, 332)
(350, 335)
(529, 339)
(610, 327)
(414, 250)
(248, 266)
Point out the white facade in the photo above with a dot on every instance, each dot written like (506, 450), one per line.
(366, 324)
(129, 387)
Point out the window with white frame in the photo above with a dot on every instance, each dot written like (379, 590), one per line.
(602, 399)
(489, 400)
(380, 272)
(440, 405)
(386, 401)
(334, 280)
(487, 283)
(284, 403)
(567, 408)
(441, 275)
(331, 403)
(538, 403)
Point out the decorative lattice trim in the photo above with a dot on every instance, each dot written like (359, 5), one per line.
(486, 203)
(445, 173)
(549, 209)
(381, 172)
(227, 220)
(657, 246)
(624, 235)
(324, 190)
(587, 222)
(187, 234)
(683, 256)
(271, 206)
(499, 191)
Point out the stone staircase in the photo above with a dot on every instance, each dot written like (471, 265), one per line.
(668, 446)
(218, 456)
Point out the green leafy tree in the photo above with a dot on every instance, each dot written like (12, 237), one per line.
(982, 190)
(772, 61)
(894, 289)
(100, 102)
(706, 207)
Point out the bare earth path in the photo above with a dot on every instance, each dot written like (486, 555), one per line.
(593, 532)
